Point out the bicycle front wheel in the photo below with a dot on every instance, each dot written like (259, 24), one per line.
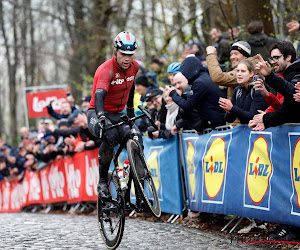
(111, 216)
(143, 179)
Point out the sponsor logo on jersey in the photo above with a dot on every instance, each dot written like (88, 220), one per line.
(130, 78)
(117, 75)
(117, 81)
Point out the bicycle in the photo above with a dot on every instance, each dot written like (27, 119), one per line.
(111, 214)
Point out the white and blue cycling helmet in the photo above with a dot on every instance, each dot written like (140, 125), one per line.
(125, 42)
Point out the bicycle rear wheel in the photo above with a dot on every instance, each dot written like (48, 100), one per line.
(143, 179)
(111, 216)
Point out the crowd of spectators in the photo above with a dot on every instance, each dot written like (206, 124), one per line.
(196, 92)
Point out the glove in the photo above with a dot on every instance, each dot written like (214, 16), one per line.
(101, 120)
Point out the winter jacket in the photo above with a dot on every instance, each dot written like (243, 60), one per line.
(223, 50)
(260, 44)
(289, 110)
(227, 79)
(204, 95)
(246, 104)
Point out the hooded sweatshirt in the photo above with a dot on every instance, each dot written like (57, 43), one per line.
(260, 44)
(204, 95)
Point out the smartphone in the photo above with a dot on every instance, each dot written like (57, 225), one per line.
(255, 78)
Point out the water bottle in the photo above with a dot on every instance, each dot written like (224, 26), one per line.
(122, 179)
(126, 169)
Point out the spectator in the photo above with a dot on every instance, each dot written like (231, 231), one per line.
(187, 49)
(234, 34)
(155, 97)
(85, 103)
(239, 51)
(4, 171)
(204, 97)
(172, 70)
(198, 49)
(245, 101)
(184, 120)
(260, 43)
(222, 45)
(71, 101)
(85, 140)
(297, 94)
(65, 110)
(275, 102)
(142, 87)
(283, 56)
(293, 26)
(24, 131)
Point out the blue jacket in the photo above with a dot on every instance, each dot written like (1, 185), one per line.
(245, 104)
(204, 95)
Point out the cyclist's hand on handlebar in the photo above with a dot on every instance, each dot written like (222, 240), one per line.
(102, 121)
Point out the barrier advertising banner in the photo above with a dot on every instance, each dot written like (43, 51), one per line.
(245, 173)
(163, 160)
(37, 102)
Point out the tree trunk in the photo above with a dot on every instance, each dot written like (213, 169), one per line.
(256, 10)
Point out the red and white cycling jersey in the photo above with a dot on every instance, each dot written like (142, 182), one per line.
(117, 82)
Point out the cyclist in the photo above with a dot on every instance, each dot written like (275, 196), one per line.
(113, 88)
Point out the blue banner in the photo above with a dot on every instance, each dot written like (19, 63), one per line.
(163, 161)
(245, 173)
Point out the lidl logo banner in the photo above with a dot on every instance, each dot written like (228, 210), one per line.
(153, 162)
(189, 144)
(294, 139)
(257, 188)
(162, 158)
(214, 168)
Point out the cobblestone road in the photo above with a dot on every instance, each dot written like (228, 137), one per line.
(66, 231)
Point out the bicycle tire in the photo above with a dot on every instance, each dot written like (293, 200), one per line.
(143, 178)
(111, 216)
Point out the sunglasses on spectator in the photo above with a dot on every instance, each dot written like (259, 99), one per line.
(274, 58)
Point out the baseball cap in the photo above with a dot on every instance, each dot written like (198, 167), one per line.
(153, 93)
(243, 47)
(86, 98)
(63, 122)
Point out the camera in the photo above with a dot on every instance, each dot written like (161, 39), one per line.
(68, 93)
(255, 78)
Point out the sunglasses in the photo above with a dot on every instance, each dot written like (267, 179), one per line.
(274, 58)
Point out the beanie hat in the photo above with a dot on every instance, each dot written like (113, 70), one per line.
(142, 80)
(243, 47)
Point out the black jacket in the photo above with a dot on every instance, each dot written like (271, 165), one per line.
(289, 110)
(204, 95)
(245, 104)
(260, 44)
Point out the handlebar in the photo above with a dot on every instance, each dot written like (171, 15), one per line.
(129, 121)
